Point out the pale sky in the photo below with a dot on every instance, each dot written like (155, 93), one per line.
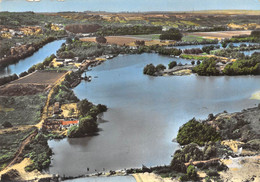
(126, 5)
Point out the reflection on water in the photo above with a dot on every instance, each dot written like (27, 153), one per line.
(144, 113)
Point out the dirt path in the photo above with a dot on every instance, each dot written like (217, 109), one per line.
(39, 125)
(45, 109)
(20, 150)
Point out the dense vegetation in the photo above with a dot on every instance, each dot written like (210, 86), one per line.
(171, 34)
(129, 30)
(88, 119)
(39, 152)
(7, 79)
(9, 144)
(22, 110)
(207, 68)
(250, 66)
(152, 70)
(196, 132)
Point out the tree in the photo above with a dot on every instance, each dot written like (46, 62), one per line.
(101, 39)
(84, 107)
(23, 74)
(88, 125)
(172, 64)
(68, 40)
(192, 173)
(160, 67)
(172, 34)
(7, 124)
(196, 132)
(149, 69)
(39, 66)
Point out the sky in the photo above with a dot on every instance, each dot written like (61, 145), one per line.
(126, 5)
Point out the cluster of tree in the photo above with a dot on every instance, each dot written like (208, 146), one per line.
(88, 119)
(129, 30)
(7, 79)
(196, 132)
(249, 66)
(63, 94)
(151, 70)
(39, 152)
(229, 53)
(191, 152)
(193, 51)
(87, 50)
(83, 28)
(171, 34)
(207, 68)
(207, 49)
(171, 51)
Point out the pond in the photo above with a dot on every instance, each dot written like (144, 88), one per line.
(144, 113)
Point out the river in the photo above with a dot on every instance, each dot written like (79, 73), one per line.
(144, 113)
(37, 57)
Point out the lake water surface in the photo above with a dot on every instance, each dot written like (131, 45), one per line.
(144, 113)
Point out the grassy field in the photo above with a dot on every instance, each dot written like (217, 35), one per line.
(22, 110)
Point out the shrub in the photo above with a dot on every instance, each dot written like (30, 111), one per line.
(7, 124)
(160, 67)
(101, 39)
(172, 64)
(149, 69)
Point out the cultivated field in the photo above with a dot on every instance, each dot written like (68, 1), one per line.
(40, 77)
(219, 35)
(31, 84)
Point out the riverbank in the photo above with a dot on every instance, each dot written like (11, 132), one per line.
(24, 51)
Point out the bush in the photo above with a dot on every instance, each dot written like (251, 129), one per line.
(101, 39)
(192, 173)
(172, 64)
(149, 69)
(7, 124)
(160, 67)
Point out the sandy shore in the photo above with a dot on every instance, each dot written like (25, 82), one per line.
(242, 169)
(151, 177)
(23, 175)
(255, 96)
